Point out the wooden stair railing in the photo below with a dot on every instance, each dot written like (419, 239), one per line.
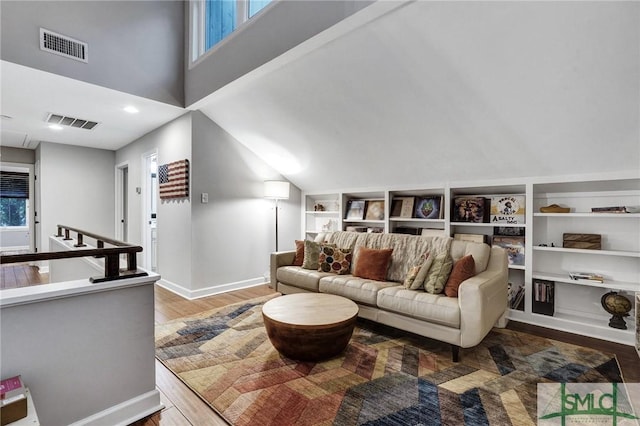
(111, 255)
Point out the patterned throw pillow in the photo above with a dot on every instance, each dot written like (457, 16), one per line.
(438, 273)
(334, 260)
(372, 264)
(411, 281)
(464, 269)
(311, 254)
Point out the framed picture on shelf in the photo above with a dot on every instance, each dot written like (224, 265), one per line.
(355, 210)
(514, 247)
(507, 209)
(428, 207)
(402, 207)
(374, 210)
(469, 209)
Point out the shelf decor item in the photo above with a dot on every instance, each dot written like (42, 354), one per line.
(618, 306)
(429, 207)
(402, 207)
(582, 241)
(507, 209)
(514, 247)
(375, 210)
(554, 208)
(13, 400)
(469, 209)
(355, 210)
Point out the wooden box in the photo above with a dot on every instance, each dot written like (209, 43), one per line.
(582, 241)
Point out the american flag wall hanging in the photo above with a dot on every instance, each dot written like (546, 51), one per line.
(174, 179)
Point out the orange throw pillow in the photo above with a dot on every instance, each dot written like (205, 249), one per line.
(372, 264)
(297, 261)
(464, 269)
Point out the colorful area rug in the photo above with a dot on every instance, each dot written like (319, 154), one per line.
(385, 376)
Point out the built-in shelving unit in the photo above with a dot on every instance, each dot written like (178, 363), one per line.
(576, 304)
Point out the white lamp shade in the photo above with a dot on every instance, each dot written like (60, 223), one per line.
(276, 189)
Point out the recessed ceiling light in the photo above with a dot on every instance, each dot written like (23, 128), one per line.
(55, 127)
(131, 109)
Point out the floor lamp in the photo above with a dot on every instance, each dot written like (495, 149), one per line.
(276, 190)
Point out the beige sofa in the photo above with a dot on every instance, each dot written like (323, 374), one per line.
(462, 321)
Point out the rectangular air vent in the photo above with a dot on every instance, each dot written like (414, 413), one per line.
(63, 120)
(63, 46)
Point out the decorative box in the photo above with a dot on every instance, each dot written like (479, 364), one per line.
(582, 241)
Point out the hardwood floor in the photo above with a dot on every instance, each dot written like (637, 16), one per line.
(184, 407)
(21, 275)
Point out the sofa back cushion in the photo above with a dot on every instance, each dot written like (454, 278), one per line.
(407, 249)
(480, 252)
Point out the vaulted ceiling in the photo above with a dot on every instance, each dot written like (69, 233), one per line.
(407, 93)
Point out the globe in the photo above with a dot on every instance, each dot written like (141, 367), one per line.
(618, 306)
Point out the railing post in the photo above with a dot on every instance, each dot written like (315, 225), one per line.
(80, 243)
(131, 262)
(66, 235)
(59, 234)
(111, 266)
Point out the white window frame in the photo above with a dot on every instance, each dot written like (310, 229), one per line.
(197, 22)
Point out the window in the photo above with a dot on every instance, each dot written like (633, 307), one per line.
(213, 20)
(14, 198)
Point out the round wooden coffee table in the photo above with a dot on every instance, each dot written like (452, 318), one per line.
(310, 326)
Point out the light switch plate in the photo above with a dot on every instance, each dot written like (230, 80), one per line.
(204, 198)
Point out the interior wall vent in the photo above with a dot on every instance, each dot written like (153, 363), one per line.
(64, 120)
(63, 46)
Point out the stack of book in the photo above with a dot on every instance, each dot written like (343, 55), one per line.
(13, 400)
(516, 298)
(586, 277)
(615, 209)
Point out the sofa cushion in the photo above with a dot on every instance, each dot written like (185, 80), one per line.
(480, 252)
(438, 273)
(462, 270)
(359, 290)
(311, 254)
(334, 260)
(416, 275)
(300, 277)
(299, 259)
(373, 263)
(436, 308)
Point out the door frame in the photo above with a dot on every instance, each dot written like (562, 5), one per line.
(146, 231)
(120, 204)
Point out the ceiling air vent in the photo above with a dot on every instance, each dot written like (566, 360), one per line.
(63, 120)
(63, 46)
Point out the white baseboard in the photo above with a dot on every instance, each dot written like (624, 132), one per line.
(126, 412)
(209, 291)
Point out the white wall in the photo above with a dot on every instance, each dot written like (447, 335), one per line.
(224, 244)
(172, 142)
(234, 233)
(134, 46)
(76, 188)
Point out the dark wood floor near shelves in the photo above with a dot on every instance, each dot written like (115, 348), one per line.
(184, 407)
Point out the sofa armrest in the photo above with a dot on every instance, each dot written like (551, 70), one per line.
(278, 259)
(483, 299)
